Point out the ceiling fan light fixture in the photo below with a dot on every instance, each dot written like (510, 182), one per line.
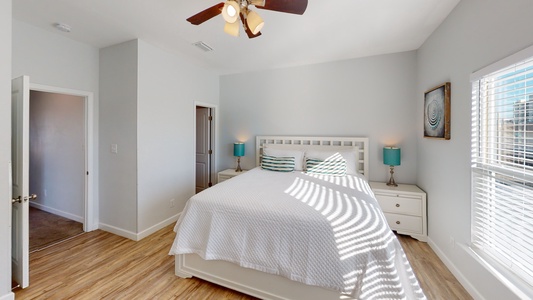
(231, 11)
(257, 2)
(239, 10)
(254, 22)
(232, 28)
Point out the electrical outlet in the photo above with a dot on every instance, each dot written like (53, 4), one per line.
(452, 242)
(172, 202)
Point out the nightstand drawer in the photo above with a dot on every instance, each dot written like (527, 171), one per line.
(223, 177)
(404, 223)
(400, 205)
(228, 174)
(404, 207)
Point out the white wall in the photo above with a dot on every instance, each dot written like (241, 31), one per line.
(5, 150)
(370, 97)
(57, 153)
(477, 33)
(168, 86)
(118, 124)
(54, 60)
(147, 109)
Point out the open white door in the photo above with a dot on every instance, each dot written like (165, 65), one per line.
(20, 101)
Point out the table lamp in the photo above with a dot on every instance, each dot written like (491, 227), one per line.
(238, 150)
(391, 157)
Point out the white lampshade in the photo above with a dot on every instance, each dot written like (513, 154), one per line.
(231, 11)
(255, 22)
(232, 28)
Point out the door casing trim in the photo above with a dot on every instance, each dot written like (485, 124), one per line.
(91, 203)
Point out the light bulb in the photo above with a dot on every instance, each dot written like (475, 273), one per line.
(231, 11)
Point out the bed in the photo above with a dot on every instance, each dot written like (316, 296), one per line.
(311, 232)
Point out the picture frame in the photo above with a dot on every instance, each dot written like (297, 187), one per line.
(437, 112)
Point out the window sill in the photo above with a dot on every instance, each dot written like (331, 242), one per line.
(522, 289)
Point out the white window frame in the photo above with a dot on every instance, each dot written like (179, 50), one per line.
(520, 283)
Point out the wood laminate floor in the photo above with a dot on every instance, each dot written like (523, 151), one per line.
(101, 265)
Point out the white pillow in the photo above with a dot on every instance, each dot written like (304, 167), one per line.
(349, 154)
(336, 166)
(278, 164)
(297, 154)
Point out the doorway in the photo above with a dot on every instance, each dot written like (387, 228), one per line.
(90, 218)
(57, 165)
(20, 98)
(204, 146)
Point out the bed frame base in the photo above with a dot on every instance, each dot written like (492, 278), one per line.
(249, 281)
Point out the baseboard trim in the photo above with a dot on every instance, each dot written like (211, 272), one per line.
(141, 235)
(57, 212)
(458, 274)
(8, 296)
(118, 231)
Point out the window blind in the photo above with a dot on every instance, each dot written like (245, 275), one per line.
(502, 167)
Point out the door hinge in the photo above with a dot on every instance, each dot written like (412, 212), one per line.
(210, 118)
(210, 152)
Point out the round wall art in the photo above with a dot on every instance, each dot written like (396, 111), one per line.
(437, 112)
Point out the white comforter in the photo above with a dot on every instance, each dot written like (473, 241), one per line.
(323, 231)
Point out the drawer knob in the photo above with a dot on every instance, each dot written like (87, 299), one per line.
(398, 222)
(397, 204)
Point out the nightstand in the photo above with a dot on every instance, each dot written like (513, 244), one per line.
(227, 174)
(404, 207)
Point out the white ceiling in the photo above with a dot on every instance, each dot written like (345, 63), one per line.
(327, 31)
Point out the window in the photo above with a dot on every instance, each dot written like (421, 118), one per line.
(502, 163)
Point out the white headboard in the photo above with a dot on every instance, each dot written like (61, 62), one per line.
(313, 142)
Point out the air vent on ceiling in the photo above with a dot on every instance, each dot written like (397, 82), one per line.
(62, 27)
(203, 46)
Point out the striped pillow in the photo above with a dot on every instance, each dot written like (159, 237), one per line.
(334, 166)
(279, 164)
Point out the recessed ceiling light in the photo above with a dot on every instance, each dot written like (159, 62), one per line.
(62, 27)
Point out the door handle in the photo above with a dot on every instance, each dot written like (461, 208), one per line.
(15, 200)
(30, 197)
(19, 199)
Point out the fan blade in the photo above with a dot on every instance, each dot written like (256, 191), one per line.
(206, 14)
(247, 30)
(287, 6)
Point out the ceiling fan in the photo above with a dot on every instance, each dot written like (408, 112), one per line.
(233, 10)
